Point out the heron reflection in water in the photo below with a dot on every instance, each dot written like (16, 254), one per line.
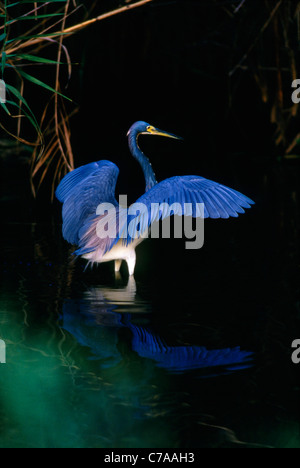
(84, 189)
(96, 319)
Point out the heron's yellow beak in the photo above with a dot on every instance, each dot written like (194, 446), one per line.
(156, 131)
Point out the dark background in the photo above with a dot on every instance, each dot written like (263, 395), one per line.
(169, 64)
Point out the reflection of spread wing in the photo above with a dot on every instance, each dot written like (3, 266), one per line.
(95, 323)
(81, 191)
(181, 358)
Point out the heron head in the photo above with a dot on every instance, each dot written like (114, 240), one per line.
(143, 128)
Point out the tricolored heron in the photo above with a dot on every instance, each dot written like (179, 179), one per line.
(84, 189)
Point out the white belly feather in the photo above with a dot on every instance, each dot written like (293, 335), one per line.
(118, 252)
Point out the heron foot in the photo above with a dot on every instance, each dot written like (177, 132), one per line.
(118, 264)
(131, 260)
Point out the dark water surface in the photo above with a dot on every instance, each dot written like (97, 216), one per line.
(195, 352)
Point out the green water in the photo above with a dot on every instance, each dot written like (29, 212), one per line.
(81, 372)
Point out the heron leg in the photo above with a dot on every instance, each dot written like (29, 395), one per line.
(118, 264)
(131, 260)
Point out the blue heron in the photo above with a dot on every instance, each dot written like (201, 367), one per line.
(81, 191)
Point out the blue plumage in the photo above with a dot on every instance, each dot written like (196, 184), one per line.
(84, 189)
(219, 201)
(73, 178)
(182, 358)
(81, 191)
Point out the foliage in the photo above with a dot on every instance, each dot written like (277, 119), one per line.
(270, 59)
(33, 35)
(262, 37)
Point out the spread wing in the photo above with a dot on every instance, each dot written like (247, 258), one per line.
(84, 189)
(219, 202)
(81, 191)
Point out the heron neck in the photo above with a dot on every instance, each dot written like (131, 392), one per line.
(143, 160)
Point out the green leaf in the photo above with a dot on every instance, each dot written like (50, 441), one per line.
(32, 1)
(5, 108)
(33, 17)
(36, 36)
(3, 62)
(19, 96)
(2, 37)
(31, 119)
(34, 58)
(13, 4)
(43, 1)
(42, 84)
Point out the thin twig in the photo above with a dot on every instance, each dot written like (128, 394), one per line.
(57, 90)
(239, 6)
(18, 44)
(123, 9)
(20, 107)
(80, 26)
(36, 8)
(264, 27)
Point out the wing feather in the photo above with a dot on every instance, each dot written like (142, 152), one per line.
(81, 191)
(219, 201)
